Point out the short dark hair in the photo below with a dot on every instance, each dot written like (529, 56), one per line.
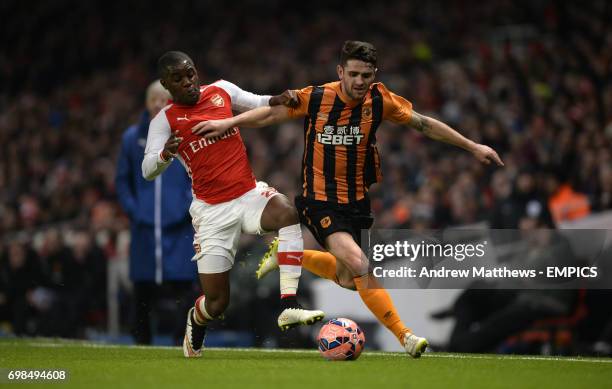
(362, 51)
(170, 58)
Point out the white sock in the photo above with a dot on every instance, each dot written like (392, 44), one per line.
(201, 317)
(290, 253)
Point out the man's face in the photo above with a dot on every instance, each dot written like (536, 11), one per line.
(182, 82)
(157, 98)
(356, 77)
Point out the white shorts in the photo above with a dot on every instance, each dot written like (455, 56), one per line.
(218, 227)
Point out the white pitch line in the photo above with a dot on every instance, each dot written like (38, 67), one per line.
(296, 351)
(432, 355)
(517, 357)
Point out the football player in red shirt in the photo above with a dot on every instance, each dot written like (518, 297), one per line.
(227, 199)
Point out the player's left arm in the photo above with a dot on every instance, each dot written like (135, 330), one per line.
(439, 131)
(243, 101)
(399, 110)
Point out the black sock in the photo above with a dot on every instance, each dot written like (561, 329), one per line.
(289, 302)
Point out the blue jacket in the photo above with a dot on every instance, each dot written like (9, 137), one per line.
(161, 232)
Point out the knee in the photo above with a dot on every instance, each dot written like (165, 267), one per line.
(355, 261)
(279, 213)
(351, 266)
(287, 215)
(347, 283)
(216, 305)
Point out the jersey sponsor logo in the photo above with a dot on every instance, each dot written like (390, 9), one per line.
(199, 144)
(340, 135)
(325, 222)
(217, 100)
(178, 119)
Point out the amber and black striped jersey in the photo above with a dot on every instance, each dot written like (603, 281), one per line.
(341, 160)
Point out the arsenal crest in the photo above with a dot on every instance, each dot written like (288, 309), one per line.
(217, 100)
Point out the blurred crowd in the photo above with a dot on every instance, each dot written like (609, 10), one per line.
(531, 79)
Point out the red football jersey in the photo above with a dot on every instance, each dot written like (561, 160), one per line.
(219, 167)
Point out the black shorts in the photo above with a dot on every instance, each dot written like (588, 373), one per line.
(323, 218)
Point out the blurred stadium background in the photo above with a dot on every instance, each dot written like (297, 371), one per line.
(531, 79)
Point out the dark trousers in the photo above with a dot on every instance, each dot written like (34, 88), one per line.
(486, 317)
(168, 303)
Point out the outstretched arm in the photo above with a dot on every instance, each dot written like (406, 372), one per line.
(258, 117)
(437, 130)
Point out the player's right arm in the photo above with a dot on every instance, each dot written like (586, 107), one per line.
(260, 117)
(256, 118)
(162, 146)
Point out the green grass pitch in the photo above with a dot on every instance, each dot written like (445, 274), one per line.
(101, 366)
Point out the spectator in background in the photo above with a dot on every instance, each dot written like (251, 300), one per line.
(505, 212)
(565, 203)
(161, 233)
(82, 297)
(56, 261)
(531, 200)
(21, 278)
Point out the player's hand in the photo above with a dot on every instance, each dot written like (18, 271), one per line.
(288, 98)
(485, 154)
(211, 128)
(171, 146)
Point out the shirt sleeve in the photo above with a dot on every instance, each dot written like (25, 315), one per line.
(159, 131)
(242, 100)
(303, 96)
(395, 108)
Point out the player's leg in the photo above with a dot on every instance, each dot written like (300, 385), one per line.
(315, 215)
(320, 263)
(268, 210)
(214, 279)
(317, 262)
(279, 215)
(214, 301)
(351, 262)
(353, 272)
(217, 232)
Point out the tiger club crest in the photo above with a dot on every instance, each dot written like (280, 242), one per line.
(325, 222)
(367, 112)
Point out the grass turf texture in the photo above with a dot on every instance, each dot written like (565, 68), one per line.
(100, 366)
